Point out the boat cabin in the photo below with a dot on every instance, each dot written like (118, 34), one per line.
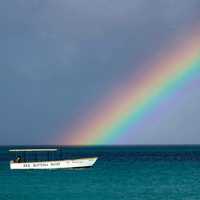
(27, 155)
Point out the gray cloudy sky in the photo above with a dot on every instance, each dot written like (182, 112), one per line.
(59, 57)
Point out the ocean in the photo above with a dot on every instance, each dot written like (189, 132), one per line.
(121, 172)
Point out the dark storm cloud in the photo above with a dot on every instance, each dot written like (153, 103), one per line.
(59, 57)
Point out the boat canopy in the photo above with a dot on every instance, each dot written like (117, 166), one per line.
(30, 150)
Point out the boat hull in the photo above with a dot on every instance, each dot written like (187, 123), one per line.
(59, 164)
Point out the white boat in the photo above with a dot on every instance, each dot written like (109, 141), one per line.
(20, 163)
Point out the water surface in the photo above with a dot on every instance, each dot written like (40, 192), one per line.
(132, 173)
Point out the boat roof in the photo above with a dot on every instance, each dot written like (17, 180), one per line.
(30, 150)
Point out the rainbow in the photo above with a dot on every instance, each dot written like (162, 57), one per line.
(128, 104)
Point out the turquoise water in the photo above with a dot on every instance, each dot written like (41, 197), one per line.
(132, 173)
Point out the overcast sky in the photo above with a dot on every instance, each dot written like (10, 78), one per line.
(57, 58)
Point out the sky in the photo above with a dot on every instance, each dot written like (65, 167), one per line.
(59, 60)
